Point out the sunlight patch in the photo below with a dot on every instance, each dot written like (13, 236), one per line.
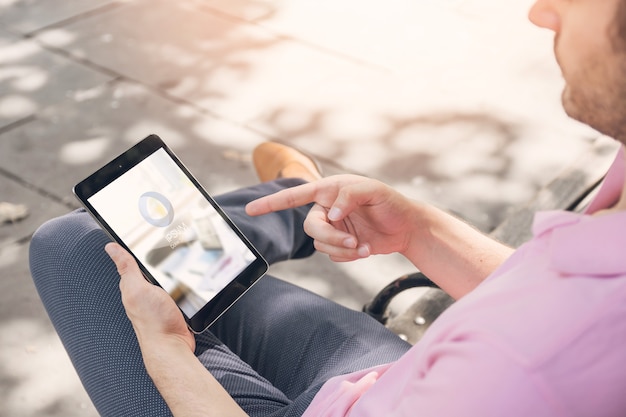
(58, 37)
(16, 106)
(24, 78)
(85, 151)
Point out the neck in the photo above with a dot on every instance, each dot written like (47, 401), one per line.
(613, 198)
(621, 203)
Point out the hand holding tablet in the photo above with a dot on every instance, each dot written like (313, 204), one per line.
(182, 240)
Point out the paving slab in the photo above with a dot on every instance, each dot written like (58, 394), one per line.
(27, 16)
(32, 78)
(229, 67)
(69, 141)
(6, 37)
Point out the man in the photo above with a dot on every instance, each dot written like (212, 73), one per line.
(535, 332)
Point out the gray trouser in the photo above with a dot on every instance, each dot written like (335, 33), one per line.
(272, 351)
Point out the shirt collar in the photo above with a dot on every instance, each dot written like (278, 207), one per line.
(583, 244)
(611, 186)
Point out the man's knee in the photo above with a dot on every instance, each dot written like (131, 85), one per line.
(52, 233)
(56, 239)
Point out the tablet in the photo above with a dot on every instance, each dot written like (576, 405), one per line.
(148, 202)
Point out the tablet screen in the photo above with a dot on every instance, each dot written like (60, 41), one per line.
(171, 227)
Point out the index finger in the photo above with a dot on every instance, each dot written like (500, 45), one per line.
(289, 198)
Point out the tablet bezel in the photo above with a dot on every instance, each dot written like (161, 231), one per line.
(113, 170)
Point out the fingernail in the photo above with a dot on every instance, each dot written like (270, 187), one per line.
(334, 214)
(350, 243)
(111, 249)
(363, 251)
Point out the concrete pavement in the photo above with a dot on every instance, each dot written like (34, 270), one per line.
(456, 102)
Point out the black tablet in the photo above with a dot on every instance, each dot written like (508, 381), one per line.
(183, 241)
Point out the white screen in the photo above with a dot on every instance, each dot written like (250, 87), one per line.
(178, 236)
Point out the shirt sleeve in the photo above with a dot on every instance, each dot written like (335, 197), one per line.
(468, 378)
(460, 378)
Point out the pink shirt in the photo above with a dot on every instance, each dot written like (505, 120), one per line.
(544, 335)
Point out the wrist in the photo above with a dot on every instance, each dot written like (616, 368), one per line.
(161, 349)
(187, 386)
(418, 230)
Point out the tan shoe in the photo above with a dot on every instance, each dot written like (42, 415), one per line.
(273, 160)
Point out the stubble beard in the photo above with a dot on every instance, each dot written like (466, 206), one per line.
(597, 97)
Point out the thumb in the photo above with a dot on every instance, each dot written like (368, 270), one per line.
(133, 285)
(125, 263)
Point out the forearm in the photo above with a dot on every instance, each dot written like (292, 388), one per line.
(450, 252)
(187, 387)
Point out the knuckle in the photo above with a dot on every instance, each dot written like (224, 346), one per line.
(123, 267)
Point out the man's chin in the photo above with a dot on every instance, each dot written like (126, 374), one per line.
(575, 108)
(569, 104)
(593, 118)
